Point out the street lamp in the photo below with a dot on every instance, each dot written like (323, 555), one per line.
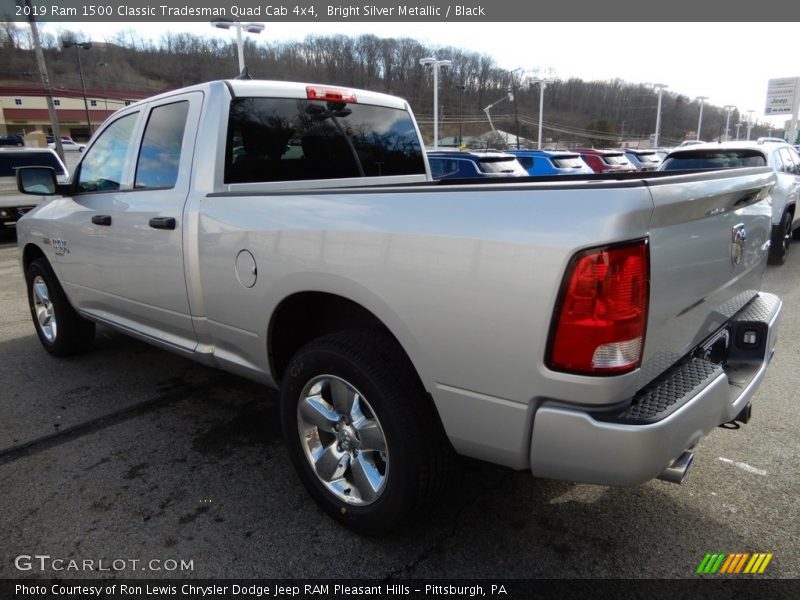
(509, 96)
(542, 80)
(749, 122)
(701, 100)
(660, 87)
(436, 64)
(248, 27)
(737, 130)
(728, 109)
(461, 89)
(86, 46)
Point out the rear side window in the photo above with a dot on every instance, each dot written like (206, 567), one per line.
(281, 139)
(525, 161)
(10, 161)
(101, 170)
(713, 159)
(160, 153)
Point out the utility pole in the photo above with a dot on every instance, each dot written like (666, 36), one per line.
(48, 90)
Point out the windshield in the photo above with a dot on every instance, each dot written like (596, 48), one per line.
(282, 139)
(504, 164)
(615, 159)
(713, 159)
(568, 162)
(10, 161)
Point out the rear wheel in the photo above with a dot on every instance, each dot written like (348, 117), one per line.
(361, 432)
(781, 238)
(62, 331)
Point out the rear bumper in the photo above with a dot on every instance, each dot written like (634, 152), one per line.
(635, 444)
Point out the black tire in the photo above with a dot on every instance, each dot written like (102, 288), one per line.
(417, 456)
(72, 333)
(781, 238)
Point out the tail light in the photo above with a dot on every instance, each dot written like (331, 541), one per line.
(316, 92)
(600, 319)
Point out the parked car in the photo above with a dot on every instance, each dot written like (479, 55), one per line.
(605, 161)
(68, 144)
(13, 204)
(12, 140)
(551, 162)
(457, 164)
(780, 156)
(402, 318)
(643, 160)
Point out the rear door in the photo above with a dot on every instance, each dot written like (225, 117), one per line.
(149, 224)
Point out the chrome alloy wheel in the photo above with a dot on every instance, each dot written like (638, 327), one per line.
(45, 313)
(343, 440)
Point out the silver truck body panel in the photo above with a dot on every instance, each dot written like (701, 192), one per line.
(465, 277)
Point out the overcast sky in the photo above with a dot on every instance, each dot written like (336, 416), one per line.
(728, 62)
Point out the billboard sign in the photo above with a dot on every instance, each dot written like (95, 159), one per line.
(782, 95)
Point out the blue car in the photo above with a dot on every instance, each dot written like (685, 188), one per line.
(551, 162)
(456, 164)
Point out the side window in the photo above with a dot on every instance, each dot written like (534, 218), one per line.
(789, 165)
(160, 153)
(525, 161)
(101, 169)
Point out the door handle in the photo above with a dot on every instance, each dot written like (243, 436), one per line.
(101, 220)
(162, 222)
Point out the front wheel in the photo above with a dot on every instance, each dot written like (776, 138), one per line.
(361, 432)
(781, 238)
(62, 331)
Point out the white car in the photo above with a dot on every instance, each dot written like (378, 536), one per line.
(782, 157)
(68, 145)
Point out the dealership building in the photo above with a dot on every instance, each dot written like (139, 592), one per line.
(23, 109)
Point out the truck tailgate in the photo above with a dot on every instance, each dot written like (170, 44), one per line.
(709, 239)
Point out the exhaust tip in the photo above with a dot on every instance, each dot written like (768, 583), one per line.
(676, 472)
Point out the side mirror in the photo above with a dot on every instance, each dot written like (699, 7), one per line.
(39, 181)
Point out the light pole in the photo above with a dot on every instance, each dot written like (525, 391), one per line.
(660, 87)
(461, 89)
(509, 96)
(542, 80)
(78, 46)
(436, 64)
(749, 122)
(248, 27)
(728, 109)
(701, 100)
(738, 125)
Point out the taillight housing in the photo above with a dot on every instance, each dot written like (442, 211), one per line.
(600, 318)
(332, 94)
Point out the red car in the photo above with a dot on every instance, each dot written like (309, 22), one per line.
(605, 161)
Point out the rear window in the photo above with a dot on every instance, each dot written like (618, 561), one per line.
(651, 158)
(507, 165)
(282, 139)
(615, 159)
(568, 162)
(713, 159)
(10, 161)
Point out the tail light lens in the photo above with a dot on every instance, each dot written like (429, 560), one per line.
(333, 94)
(601, 315)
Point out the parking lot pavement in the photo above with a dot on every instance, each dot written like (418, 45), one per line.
(131, 453)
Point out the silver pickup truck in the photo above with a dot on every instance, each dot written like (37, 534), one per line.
(588, 328)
